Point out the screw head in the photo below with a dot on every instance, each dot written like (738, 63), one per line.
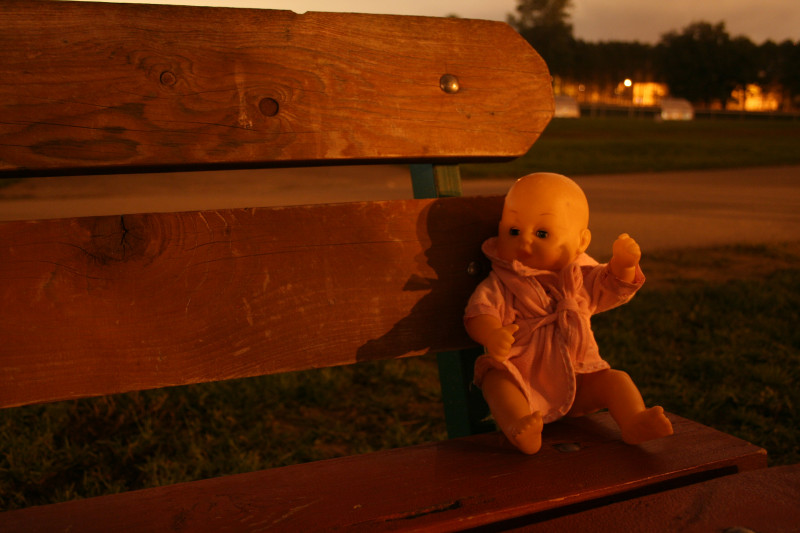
(567, 447)
(449, 83)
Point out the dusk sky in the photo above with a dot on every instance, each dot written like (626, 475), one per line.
(593, 20)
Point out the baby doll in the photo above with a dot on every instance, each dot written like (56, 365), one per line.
(532, 317)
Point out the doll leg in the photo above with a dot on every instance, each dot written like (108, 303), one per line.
(615, 390)
(511, 411)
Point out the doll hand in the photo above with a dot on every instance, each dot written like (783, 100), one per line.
(499, 342)
(626, 255)
(626, 252)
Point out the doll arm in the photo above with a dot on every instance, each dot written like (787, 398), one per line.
(625, 258)
(489, 332)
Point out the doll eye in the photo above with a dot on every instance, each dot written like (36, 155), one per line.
(542, 234)
(514, 232)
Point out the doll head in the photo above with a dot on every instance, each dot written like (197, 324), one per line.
(545, 222)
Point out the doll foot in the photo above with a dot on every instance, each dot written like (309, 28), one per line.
(647, 425)
(526, 433)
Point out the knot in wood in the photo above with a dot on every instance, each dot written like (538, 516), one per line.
(269, 107)
(115, 239)
(168, 79)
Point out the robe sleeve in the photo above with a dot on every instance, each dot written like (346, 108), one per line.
(606, 291)
(487, 299)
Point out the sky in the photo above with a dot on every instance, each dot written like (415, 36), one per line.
(593, 20)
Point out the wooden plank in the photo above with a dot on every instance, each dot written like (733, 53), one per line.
(445, 486)
(90, 86)
(99, 305)
(767, 499)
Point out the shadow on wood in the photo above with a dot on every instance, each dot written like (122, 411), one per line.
(458, 266)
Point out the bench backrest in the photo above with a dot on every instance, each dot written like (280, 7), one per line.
(92, 86)
(98, 305)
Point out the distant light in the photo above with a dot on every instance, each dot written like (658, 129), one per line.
(627, 82)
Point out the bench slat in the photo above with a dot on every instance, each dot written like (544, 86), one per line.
(92, 86)
(460, 483)
(113, 304)
(767, 499)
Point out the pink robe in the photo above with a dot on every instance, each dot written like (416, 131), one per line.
(555, 340)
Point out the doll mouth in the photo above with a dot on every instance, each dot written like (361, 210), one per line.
(524, 254)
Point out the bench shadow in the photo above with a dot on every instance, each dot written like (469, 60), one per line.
(452, 231)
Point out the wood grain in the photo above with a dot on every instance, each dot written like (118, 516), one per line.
(447, 486)
(89, 86)
(100, 305)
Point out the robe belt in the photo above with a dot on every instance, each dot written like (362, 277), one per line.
(561, 315)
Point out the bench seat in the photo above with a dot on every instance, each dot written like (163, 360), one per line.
(766, 499)
(457, 484)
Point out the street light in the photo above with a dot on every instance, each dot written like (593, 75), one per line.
(628, 83)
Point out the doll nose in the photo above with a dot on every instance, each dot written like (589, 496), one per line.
(526, 244)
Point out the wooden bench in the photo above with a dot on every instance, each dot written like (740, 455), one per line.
(102, 305)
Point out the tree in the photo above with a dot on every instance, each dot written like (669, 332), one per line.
(606, 64)
(545, 25)
(780, 69)
(541, 13)
(790, 73)
(703, 64)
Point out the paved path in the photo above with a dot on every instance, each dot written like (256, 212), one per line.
(664, 210)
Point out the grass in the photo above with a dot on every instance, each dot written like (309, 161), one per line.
(713, 336)
(613, 145)
(716, 340)
(104, 445)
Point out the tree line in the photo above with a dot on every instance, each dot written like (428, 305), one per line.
(702, 62)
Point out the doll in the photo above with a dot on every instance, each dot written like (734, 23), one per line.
(532, 313)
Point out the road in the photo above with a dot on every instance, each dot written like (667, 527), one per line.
(662, 211)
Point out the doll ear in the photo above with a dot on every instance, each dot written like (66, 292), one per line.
(586, 238)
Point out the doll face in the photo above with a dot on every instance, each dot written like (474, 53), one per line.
(544, 222)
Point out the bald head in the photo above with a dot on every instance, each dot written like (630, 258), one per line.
(553, 188)
(545, 222)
